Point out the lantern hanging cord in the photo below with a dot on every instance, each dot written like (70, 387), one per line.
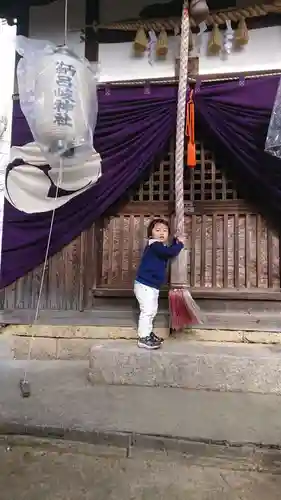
(24, 384)
(65, 21)
(37, 310)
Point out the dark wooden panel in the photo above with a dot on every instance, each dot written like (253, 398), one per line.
(198, 207)
(123, 240)
(2, 299)
(66, 282)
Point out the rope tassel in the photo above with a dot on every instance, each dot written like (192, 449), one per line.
(140, 42)
(242, 35)
(190, 132)
(215, 42)
(162, 44)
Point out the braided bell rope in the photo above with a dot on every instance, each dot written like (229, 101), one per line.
(181, 106)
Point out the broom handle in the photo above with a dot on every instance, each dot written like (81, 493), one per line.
(180, 130)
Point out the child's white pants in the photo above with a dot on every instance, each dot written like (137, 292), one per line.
(147, 298)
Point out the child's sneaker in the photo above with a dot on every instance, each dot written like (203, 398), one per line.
(155, 337)
(149, 342)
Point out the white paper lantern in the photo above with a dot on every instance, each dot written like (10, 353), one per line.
(58, 98)
(3, 125)
(32, 188)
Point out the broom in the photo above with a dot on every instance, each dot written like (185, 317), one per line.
(183, 309)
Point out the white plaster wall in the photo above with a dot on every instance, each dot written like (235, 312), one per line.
(117, 62)
(263, 52)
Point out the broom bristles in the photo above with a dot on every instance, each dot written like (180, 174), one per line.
(184, 311)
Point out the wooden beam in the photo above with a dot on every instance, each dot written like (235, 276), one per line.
(203, 293)
(218, 17)
(207, 78)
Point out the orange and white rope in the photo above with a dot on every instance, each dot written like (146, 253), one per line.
(180, 130)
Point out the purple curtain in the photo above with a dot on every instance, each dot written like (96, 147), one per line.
(234, 119)
(132, 129)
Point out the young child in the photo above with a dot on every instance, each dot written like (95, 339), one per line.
(151, 276)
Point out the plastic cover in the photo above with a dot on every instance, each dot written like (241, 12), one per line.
(58, 96)
(273, 138)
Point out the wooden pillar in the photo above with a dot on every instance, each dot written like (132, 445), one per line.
(22, 29)
(193, 67)
(193, 59)
(89, 246)
(91, 35)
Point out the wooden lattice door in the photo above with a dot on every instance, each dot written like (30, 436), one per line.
(124, 233)
(231, 248)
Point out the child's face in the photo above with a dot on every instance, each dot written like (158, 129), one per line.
(160, 232)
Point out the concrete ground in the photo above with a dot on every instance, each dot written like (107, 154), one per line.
(146, 443)
(33, 470)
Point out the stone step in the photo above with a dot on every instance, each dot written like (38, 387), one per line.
(189, 365)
